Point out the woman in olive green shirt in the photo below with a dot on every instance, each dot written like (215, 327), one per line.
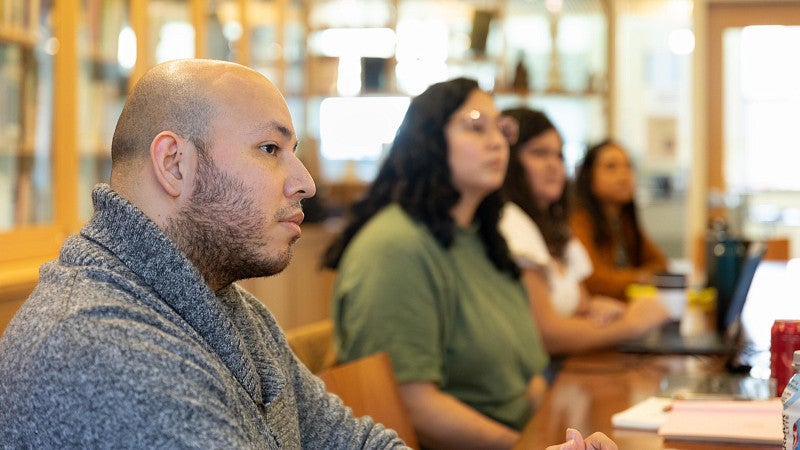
(424, 275)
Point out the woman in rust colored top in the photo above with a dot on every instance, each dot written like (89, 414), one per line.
(605, 221)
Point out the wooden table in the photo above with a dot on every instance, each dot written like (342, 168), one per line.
(589, 389)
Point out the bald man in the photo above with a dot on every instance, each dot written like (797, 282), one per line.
(137, 336)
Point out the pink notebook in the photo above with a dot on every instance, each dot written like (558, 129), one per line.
(740, 421)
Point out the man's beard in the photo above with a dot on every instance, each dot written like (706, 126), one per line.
(221, 231)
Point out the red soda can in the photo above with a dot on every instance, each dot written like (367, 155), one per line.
(785, 340)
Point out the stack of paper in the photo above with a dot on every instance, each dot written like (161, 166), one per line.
(742, 421)
(739, 421)
(647, 415)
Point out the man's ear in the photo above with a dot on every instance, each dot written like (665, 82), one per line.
(170, 155)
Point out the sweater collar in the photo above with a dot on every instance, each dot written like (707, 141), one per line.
(142, 247)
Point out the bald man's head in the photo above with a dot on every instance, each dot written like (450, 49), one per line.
(178, 96)
(165, 98)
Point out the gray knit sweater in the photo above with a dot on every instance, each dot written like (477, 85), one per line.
(123, 344)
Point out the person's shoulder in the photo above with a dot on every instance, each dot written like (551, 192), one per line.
(393, 227)
(96, 331)
(391, 238)
(524, 239)
(512, 211)
(513, 219)
(577, 258)
(73, 302)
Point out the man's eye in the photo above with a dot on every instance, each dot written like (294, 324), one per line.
(269, 149)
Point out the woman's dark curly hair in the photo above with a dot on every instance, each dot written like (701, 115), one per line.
(416, 175)
(587, 199)
(553, 221)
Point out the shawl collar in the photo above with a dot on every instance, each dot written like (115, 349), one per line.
(142, 247)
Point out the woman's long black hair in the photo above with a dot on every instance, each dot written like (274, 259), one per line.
(553, 222)
(416, 175)
(587, 199)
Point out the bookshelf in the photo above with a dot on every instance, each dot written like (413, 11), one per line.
(66, 67)
(18, 66)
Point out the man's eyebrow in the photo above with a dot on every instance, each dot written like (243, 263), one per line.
(285, 131)
(274, 125)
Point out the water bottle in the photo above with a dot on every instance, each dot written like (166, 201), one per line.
(791, 407)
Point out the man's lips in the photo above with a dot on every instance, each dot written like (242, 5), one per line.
(296, 218)
(293, 222)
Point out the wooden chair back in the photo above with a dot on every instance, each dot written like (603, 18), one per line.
(778, 249)
(369, 388)
(313, 344)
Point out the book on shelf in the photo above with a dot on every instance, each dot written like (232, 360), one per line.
(19, 15)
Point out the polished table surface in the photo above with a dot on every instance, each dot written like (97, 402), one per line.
(590, 388)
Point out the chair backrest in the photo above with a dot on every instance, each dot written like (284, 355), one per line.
(313, 344)
(368, 386)
(778, 249)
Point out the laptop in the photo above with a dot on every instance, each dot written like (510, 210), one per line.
(724, 340)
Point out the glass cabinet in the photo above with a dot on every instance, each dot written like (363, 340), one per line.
(107, 53)
(28, 191)
(26, 90)
(66, 67)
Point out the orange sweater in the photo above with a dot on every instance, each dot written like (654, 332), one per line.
(606, 278)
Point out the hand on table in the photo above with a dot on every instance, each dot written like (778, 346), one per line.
(603, 310)
(647, 313)
(595, 441)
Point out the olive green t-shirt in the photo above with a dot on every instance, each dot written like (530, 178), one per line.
(444, 315)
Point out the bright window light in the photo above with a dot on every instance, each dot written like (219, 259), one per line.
(529, 32)
(232, 30)
(770, 73)
(413, 77)
(761, 108)
(421, 54)
(681, 42)
(176, 41)
(126, 48)
(422, 40)
(348, 81)
(371, 42)
(577, 34)
(359, 128)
